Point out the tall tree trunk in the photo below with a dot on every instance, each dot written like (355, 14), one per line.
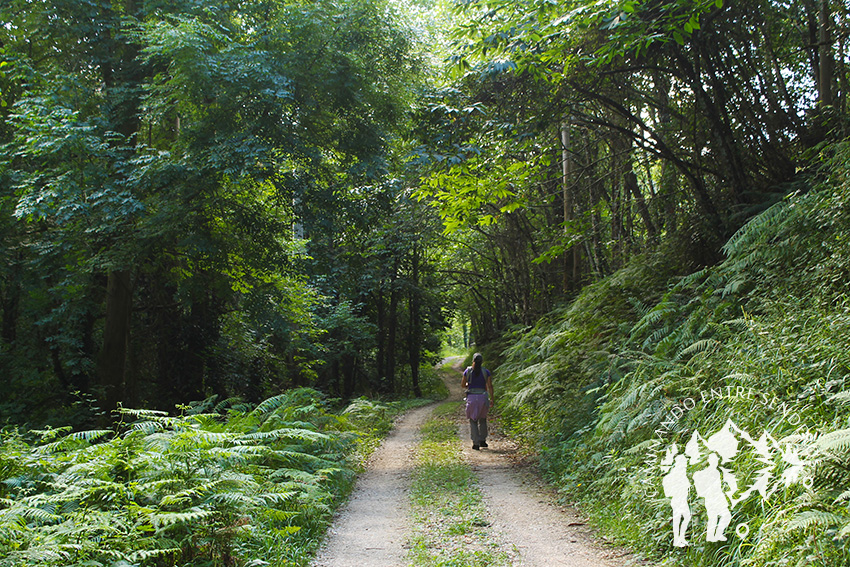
(414, 335)
(631, 181)
(349, 375)
(122, 77)
(11, 299)
(841, 69)
(381, 337)
(715, 107)
(572, 255)
(392, 330)
(826, 63)
(116, 337)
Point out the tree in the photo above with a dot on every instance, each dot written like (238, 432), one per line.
(157, 161)
(684, 118)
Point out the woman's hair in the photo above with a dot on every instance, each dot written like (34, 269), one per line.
(477, 359)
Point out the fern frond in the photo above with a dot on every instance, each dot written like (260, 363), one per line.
(236, 499)
(699, 346)
(194, 515)
(835, 441)
(145, 554)
(39, 515)
(734, 286)
(299, 476)
(153, 486)
(693, 279)
(146, 427)
(656, 314)
(142, 413)
(197, 492)
(758, 229)
(810, 518)
(844, 532)
(276, 498)
(278, 515)
(286, 433)
(210, 438)
(298, 459)
(841, 397)
(271, 404)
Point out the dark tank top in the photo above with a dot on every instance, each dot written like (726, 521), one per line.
(477, 380)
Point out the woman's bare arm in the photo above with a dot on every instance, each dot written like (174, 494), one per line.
(490, 387)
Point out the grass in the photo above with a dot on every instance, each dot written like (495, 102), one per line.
(451, 528)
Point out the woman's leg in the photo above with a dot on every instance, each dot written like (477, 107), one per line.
(474, 433)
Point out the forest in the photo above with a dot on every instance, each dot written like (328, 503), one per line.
(236, 237)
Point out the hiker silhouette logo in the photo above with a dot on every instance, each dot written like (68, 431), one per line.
(717, 468)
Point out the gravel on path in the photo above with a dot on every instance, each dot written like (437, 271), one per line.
(370, 530)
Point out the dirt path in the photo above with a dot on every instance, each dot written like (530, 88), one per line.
(370, 530)
(523, 510)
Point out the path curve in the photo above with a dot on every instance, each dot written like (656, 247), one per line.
(371, 528)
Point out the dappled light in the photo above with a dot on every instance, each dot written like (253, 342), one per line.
(239, 239)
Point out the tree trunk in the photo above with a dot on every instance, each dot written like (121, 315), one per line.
(572, 255)
(392, 330)
(667, 185)
(349, 375)
(631, 182)
(715, 109)
(116, 337)
(11, 298)
(826, 63)
(414, 336)
(122, 77)
(381, 334)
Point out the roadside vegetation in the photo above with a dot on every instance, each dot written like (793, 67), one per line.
(768, 327)
(627, 204)
(221, 484)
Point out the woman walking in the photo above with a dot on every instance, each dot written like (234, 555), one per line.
(479, 397)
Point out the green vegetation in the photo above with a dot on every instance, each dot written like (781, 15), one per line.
(772, 319)
(205, 199)
(628, 204)
(218, 485)
(450, 525)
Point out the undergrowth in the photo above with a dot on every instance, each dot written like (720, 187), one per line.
(218, 485)
(642, 360)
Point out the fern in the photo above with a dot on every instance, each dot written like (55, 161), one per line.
(759, 229)
(841, 397)
(835, 441)
(193, 515)
(147, 491)
(814, 518)
(700, 346)
(159, 553)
